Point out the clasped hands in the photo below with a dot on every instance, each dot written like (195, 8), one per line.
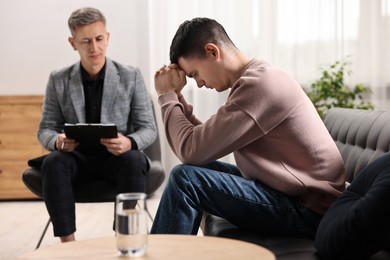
(170, 78)
(116, 146)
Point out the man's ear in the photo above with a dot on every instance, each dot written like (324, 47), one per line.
(71, 41)
(108, 37)
(212, 50)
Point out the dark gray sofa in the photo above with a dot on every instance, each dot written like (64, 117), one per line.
(361, 136)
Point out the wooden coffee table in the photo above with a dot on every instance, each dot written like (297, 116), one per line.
(172, 247)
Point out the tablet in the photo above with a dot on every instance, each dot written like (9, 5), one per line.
(90, 133)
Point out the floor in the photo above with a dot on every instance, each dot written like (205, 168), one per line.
(22, 223)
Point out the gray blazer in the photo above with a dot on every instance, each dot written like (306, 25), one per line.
(125, 103)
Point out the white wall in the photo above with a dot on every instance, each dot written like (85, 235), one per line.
(34, 39)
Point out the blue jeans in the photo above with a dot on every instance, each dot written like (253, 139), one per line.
(219, 189)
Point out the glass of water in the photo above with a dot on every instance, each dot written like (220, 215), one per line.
(131, 225)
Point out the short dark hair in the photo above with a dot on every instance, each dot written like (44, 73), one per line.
(193, 35)
(85, 16)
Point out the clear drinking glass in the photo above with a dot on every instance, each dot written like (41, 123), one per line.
(131, 224)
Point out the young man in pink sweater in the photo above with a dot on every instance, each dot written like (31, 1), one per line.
(289, 169)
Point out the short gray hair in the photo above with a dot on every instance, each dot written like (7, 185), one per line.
(85, 16)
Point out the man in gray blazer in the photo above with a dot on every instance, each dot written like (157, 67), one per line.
(93, 90)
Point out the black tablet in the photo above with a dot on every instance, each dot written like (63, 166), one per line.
(90, 133)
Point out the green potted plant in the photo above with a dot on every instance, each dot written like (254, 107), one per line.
(330, 90)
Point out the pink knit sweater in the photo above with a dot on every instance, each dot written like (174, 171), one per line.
(273, 130)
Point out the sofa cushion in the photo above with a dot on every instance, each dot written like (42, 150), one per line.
(357, 225)
(360, 135)
(284, 247)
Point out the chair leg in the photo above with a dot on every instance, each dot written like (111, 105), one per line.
(43, 234)
(147, 211)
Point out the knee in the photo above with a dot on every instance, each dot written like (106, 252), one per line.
(133, 157)
(52, 158)
(180, 175)
(54, 161)
(178, 171)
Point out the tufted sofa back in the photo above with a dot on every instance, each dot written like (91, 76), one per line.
(360, 135)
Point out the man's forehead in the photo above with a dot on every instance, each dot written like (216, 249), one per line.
(185, 65)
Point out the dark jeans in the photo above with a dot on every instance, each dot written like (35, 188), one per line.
(61, 171)
(219, 189)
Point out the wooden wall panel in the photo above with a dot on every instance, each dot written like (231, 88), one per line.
(19, 119)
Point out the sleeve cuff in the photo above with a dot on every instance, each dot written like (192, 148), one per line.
(134, 145)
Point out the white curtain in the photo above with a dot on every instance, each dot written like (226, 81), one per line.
(297, 35)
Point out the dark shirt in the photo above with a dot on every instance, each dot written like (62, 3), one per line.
(93, 93)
